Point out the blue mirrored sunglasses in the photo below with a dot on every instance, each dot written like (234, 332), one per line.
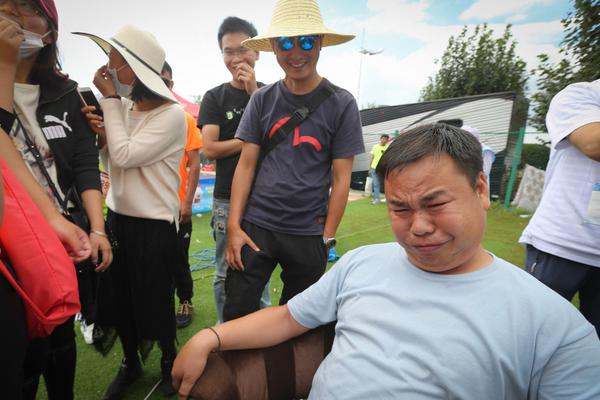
(306, 43)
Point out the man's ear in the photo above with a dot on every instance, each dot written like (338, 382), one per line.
(483, 190)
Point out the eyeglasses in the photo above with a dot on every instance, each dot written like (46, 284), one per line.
(240, 51)
(23, 7)
(306, 43)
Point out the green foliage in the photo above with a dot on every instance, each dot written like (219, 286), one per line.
(371, 104)
(535, 155)
(477, 64)
(581, 58)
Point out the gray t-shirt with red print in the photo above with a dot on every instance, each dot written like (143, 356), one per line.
(291, 189)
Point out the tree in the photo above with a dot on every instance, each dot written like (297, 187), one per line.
(581, 58)
(477, 64)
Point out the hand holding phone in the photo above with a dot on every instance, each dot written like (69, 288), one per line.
(92, 110)
(89, 99)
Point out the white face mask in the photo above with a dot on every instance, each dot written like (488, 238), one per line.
(122, 89)
(32, 44)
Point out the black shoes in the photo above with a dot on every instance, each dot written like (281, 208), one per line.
(128, 373)
(183, 317)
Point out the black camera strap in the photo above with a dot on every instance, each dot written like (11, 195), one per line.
(39, 160)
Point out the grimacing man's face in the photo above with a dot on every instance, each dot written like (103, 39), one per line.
(437, 216)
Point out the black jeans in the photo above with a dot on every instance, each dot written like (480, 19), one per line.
(181, 273)
(55, 357)
(87, 280)
(302, 258)
(567, 277)
(13, 339)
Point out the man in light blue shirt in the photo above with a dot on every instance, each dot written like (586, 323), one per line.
(437, 317)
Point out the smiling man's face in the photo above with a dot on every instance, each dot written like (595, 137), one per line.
(438, 216)
(299, 65)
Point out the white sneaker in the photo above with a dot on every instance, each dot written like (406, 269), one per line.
(87, 332)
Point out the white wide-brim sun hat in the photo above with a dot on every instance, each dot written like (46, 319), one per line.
(296, 18)
(142, 52)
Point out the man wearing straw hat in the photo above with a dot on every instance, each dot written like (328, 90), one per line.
(290, 217)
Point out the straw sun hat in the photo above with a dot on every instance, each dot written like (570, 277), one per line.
(143, 54)
(296, 18)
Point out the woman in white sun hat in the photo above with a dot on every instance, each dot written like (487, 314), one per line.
(142, 141)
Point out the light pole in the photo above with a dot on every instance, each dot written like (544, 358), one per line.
(363, 52)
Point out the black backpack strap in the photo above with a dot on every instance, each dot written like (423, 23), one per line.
(299, 115)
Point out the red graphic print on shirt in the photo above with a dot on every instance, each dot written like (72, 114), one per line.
(297, 137)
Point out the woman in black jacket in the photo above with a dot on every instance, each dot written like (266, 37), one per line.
(49, 122)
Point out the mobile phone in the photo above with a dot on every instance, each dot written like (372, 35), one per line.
(88, 98)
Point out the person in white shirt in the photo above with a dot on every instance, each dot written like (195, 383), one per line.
(563, 236)
(142, 144)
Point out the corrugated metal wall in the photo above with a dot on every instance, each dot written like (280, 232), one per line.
(489, 115)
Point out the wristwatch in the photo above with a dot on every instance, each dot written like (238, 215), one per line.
(329, 242)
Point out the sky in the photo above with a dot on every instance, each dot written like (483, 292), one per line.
(412, 33)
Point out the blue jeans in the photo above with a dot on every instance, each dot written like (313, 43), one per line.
(376, 185)
(219, 224)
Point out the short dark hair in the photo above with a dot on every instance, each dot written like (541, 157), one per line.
(233, 25)
(385, 135)
(434, 140)
(141, 92)
(454, 122)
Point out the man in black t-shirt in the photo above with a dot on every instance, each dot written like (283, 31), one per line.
(220, 114)
(286, 208)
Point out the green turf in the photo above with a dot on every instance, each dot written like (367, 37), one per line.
(363, 223)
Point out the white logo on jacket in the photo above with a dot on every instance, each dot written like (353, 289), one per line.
(56, 131)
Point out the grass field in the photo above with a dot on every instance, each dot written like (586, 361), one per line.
(363, 224)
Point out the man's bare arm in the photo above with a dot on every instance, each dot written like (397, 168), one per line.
(587, 139)
(193, 174)
(340, 186)
(264, 328)
(214, 148)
